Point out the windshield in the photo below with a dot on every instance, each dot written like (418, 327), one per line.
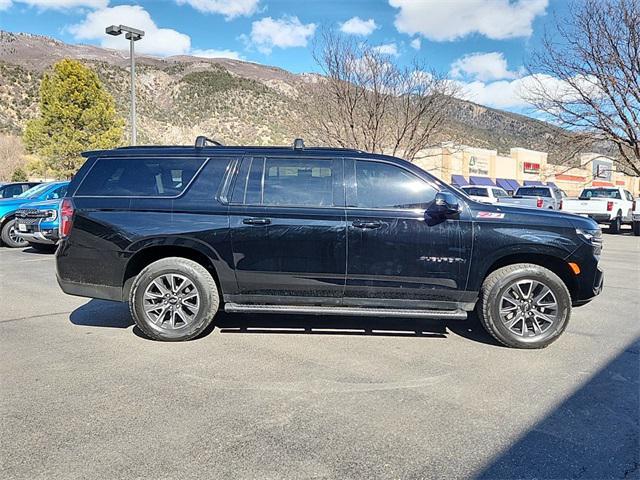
(533, 192)
(600, 193)
(35, 191)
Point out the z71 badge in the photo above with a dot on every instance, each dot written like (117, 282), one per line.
(490, 215)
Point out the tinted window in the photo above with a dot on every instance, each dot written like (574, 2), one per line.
(167, 177)
(533, 192)
(11, 191)
(476, 191)
(600, 193)
(297, 182)
(499, 193)
(380, 185)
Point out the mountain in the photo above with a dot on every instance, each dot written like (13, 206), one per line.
(234, 101)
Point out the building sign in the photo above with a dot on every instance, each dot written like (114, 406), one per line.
(478, 166)
(602, 169)
(530, 167)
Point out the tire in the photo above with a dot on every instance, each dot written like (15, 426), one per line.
(499, 283)
(157, 324)
(616, 225)
(8, 235)
(43, 248)
(636, 229)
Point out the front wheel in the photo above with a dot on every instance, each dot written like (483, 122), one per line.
(173, 299)
(10, 236)
(636, 229)
(524, 306)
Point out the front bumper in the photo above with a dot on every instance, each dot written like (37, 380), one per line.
(39, 237)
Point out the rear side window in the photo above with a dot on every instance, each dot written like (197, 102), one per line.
(294, 182)
(380, 185)
(139, 177)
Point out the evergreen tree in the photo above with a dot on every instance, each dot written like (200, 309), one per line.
(19, 175)
(76, 114)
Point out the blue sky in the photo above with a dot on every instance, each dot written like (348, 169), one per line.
(483, 44)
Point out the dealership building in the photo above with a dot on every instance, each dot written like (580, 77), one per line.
(463, 165)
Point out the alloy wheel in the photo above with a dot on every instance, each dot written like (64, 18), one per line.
(528, 308)
(171, 301)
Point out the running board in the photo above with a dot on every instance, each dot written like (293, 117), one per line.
(347, 311)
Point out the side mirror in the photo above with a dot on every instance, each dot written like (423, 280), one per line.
(445, 204)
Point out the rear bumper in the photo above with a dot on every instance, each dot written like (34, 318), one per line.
(103, 292)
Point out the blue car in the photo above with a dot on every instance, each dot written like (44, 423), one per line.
(9, 207)
(38, 223)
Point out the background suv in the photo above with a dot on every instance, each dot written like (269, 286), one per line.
(180, 232)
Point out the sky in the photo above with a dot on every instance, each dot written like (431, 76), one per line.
(482, 44)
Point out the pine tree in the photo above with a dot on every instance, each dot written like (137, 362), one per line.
(76, 114)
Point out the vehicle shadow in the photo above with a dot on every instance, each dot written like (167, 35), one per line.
(103, 313)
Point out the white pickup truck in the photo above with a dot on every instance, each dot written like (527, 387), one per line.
(530, 196)
(612, 206)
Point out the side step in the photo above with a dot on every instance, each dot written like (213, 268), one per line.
(347, 311)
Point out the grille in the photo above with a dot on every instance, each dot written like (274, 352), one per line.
(31, 213)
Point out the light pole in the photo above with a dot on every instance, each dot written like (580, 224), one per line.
(133, 35)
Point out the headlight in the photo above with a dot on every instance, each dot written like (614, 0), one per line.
(52, 215)
(591, 236)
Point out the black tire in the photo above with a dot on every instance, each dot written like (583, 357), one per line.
(616, 225)
(636, 229)
(43, 248)
(204, 284)
(499, 281)
(8, 235)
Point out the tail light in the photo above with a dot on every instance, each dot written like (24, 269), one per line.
(539, 203)
(609, 206)
(633, 206)
(66, 217)
(560, 206)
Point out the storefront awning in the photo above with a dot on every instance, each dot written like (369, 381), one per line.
(459, 180)
(507, 184)
(482, 181)
(533, 183)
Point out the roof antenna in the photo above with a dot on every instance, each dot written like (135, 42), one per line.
(298, 144)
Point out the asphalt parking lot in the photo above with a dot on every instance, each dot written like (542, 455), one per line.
(83, 395)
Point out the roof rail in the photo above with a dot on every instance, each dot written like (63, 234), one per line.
(202, 141)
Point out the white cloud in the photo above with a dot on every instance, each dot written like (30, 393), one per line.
(213, 53)
(157, 41)
(482, 66)
(449, 20)
(5, 4)
(229, 8)
(416, 43)
(387, 49)
(358, 26)
(58, 4)
(285, 32)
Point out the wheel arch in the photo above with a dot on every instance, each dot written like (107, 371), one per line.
(551, 262)
(145, 256)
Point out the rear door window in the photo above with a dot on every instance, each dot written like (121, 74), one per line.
(139, 177)
(297, 182)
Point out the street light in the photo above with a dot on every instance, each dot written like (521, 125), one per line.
(133, 35)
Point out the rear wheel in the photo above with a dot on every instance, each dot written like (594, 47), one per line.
(636, 229)
(524, 306)
(173, 299)
(10, 236)
(616, 225)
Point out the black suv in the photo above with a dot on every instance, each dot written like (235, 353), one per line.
(180, 232)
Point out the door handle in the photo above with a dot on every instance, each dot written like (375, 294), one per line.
(361, 224)
(256, 221)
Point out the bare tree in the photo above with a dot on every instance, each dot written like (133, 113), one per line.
(11, 155)
(365, 100)
(587, 76)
